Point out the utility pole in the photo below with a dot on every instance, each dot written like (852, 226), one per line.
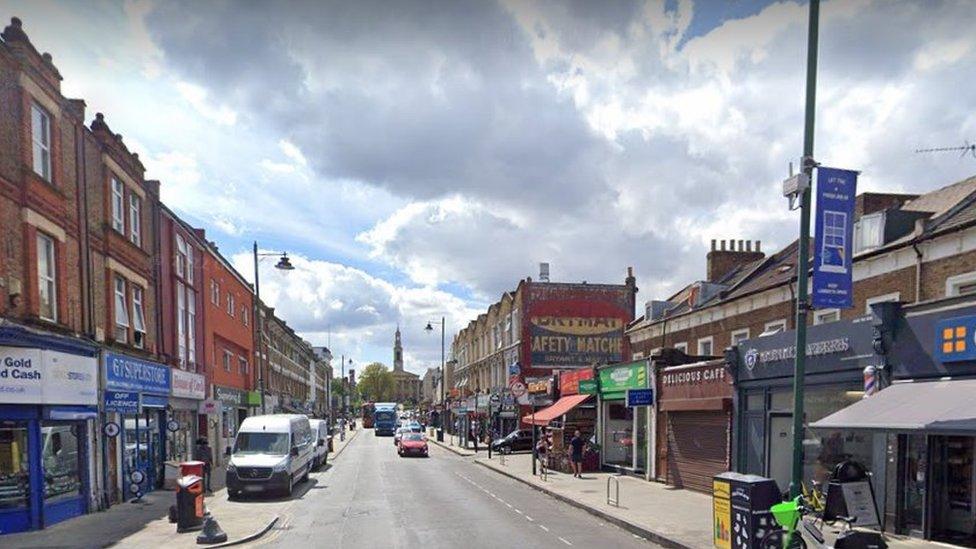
(260, 327)
(803, 250)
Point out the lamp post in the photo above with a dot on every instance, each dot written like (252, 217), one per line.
(803, 250)
(284, 264)
(430, 328)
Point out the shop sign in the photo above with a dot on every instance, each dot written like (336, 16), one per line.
(123, 402)
(40, 376)
(188, 385)
(209, 407)
(587, 387)
(483, 401)
(127, 373)
(834, 239)
(640, 397)
(956, 339)
(253, 398)
(536, 387)
(693, 376)
(232, 398)
(154, 401)
(569, 380)
(617, 379)
(574, 340)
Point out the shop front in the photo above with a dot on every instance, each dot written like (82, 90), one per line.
(136, 398)
(49, 388)
(694, 423)
(573, 411)
(188, 390)
(927, 418)
(233, 411)
(837, 355)
(623, 430)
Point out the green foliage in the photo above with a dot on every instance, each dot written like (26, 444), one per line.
(376, 383)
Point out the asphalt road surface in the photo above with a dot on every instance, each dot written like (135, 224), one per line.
(373, 498)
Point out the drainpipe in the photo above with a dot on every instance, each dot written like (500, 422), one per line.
(918, 271)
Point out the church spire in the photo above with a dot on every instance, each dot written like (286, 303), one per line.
(397, 352)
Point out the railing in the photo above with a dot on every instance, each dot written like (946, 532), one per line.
(615, 482)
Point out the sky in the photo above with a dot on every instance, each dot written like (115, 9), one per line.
(416, 159)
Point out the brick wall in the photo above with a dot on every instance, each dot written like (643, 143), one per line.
(223, 331)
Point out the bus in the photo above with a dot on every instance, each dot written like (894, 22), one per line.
(367, 415)
(385, 418)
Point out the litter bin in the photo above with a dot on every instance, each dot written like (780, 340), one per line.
(440, 435)
(189, 503)
(741, 515)
(188, 468)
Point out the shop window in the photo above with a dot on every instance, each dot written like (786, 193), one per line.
(618, 434)
(781, 400)
(14, 466)
(755, 401)
(121, 311)
(138, 316)
(41, 142)
(118, 205)
(47, 278)
(62, 461)
(825, 449)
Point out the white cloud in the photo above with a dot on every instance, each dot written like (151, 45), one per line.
(197, 97)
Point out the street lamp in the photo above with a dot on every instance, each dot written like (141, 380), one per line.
(284, 264)
(429, 329)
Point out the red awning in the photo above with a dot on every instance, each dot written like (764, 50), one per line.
(563, 405)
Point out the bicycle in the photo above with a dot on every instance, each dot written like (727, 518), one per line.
(797, 527)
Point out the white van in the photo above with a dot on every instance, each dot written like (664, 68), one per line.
(271, 453)
(320, 434)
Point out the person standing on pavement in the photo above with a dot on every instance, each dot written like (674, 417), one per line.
(541, 449)
(202, 452)
(576, 454)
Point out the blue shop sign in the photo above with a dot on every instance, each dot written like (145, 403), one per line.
(956, 339)
(640, 397)
(123, 402)
(132, 374)
(154, 401)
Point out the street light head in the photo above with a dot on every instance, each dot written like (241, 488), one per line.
(284, 263)
(429, 328)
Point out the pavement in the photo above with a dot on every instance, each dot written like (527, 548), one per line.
(373, 498)
(668, 516)
(146, 524)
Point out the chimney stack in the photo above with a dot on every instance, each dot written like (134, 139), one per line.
(543, 272)
(722, 261)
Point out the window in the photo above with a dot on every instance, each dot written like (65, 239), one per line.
(242, 365)
(961, 284)
(683, 346)
(191, 326)
(118, 205)
(638, 356)
(138, 316)
(214, 292)
(826, 315)
(738, 336)
(47, 287)
(189, 264)
(893, 296)
(181, 322)
(41, 141)
(227, 357)
(180, 256)
(705, 346)
(244, 315)
(230, 304)
(135, 219)
(774, 327)
(121, 311)
(867, 232)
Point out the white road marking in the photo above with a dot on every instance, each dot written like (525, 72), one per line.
(565, 541)
(519, 512)
(509, 505)
(530, 519)
(544, 528)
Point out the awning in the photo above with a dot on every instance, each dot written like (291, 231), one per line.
(561, 406)
(941, 407)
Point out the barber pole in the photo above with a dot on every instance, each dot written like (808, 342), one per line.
(870, 381)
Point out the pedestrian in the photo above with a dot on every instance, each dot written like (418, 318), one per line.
(473, 435)
(576, 455)
(541, 449)
(202, 452)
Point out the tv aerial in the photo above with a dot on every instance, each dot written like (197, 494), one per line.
(968, 148)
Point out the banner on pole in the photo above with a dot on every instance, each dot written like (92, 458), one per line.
(834, 241)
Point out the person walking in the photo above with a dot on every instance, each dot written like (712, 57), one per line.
(541, 450)
(576, 454)
(202, 452)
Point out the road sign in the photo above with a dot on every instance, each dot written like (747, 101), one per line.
(518, 389)
(640, 397)
(111, 429)
(495, 399)
(172, 425)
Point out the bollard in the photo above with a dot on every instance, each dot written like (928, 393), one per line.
(615, 500)
(211, 533)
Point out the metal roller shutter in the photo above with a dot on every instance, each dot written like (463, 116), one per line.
(698, 448)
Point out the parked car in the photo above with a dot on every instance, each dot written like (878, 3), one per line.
(320, 433)
(413, 444)
(272, 453)
(515, 441)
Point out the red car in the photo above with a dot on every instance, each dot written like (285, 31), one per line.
(412, 444)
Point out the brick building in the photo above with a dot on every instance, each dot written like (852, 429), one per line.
(288, 364)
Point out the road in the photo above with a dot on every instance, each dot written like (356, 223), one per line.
(373, 498)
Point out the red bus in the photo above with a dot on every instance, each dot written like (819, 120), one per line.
(368, 409)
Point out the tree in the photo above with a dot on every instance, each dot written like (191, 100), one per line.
(376, 383)
(338, 387)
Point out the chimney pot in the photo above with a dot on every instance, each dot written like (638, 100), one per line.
(741, 245)
(757, 245)
(748, 245)
(722, 244)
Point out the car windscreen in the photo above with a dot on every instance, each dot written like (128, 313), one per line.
(413, 436)
(275, 444)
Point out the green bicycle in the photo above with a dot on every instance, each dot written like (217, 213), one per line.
(801, 523)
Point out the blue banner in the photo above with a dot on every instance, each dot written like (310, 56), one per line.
(954, 339)
(126, 373)
(123, 402)
(834, 243)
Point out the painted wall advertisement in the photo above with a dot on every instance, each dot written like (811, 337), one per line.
(569, 340)
(834, 243)
(39, 376)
